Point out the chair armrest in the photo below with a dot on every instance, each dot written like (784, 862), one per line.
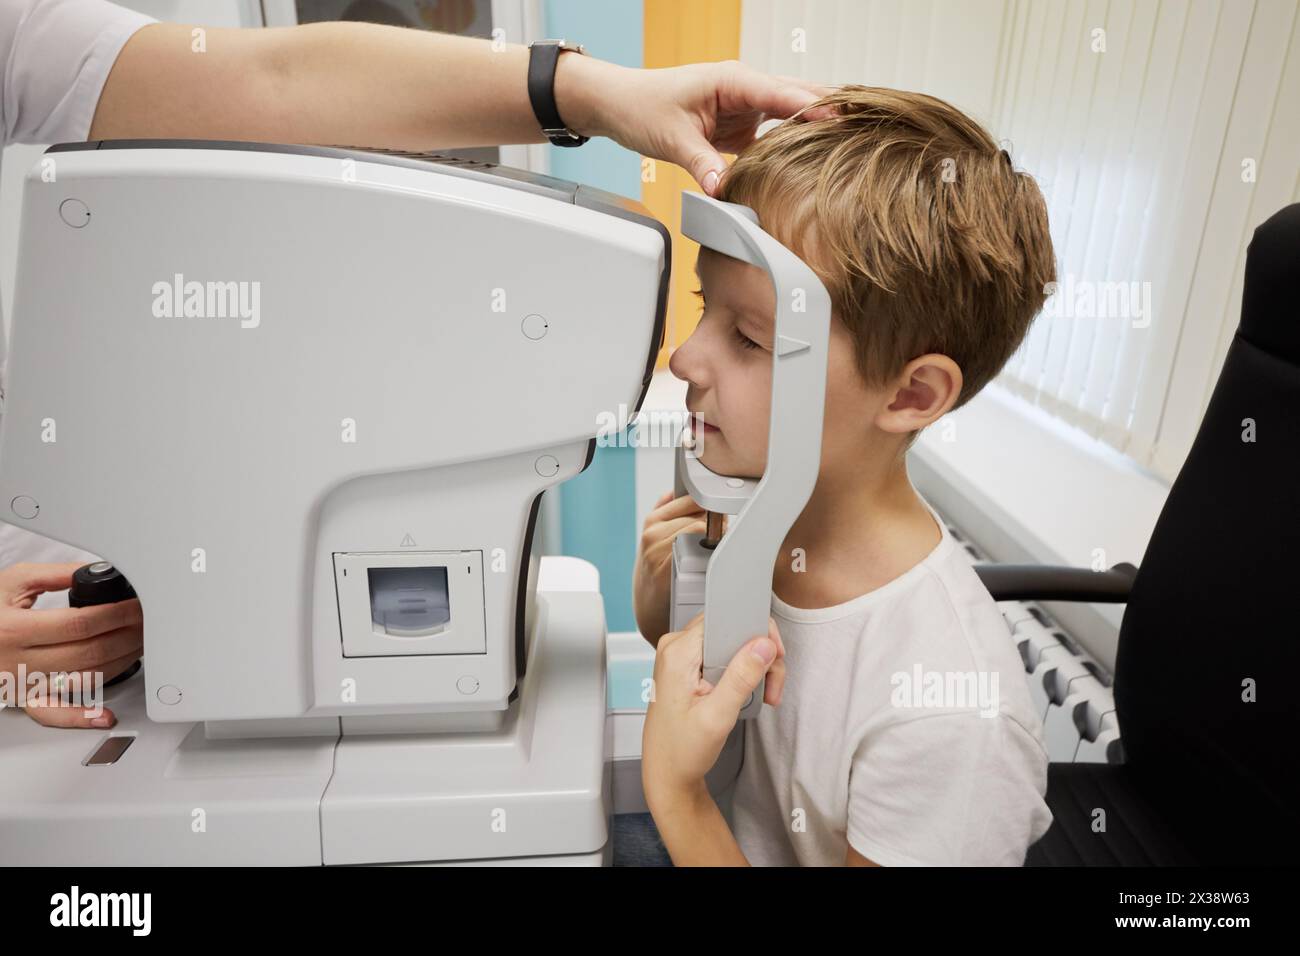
(1046, 582)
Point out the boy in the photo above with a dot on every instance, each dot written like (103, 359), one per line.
(905, 733)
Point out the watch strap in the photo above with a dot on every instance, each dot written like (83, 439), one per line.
(543, 57)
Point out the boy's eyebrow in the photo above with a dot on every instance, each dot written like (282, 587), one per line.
(761, 319)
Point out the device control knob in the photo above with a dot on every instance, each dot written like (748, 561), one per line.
(101, 583)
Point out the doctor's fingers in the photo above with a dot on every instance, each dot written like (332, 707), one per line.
(91, 654)
(817, 89)
(59, 687)
(29, 580)
(69, 715)
(51, 711)
(64, 624)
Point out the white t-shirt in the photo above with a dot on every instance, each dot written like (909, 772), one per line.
(54, 58)
(906, 730)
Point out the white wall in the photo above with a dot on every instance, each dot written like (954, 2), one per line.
(1161, 135)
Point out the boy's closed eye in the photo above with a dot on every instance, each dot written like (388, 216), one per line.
(743, 340)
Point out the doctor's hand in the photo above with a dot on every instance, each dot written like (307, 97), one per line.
(689, 719)
(106, 638)
(688, 115)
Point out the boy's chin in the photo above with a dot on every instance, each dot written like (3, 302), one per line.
(722, 462)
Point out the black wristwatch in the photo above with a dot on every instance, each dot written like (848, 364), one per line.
(543, 55)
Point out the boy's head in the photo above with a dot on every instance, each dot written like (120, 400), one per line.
(935, 252)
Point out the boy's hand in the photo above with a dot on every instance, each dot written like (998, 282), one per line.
(689, 719)
(652, 576)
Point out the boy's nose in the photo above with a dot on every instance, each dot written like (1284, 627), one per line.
(685, 364)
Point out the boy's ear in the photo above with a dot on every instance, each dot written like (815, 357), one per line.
(922, 393)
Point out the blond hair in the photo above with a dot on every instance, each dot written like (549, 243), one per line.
(926, 237)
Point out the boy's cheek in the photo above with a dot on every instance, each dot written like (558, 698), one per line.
(728, 462)
(748, 448)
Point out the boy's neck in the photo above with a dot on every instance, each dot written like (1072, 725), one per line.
(862, 527)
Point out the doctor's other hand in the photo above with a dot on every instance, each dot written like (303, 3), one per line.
(105, 638)
(688, 115)
(689, 719)
(652, 573)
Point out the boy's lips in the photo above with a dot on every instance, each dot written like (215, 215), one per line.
(700, 427)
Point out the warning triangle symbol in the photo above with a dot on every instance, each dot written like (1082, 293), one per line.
(408, 542)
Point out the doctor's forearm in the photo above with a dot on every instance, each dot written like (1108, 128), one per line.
(335, 84)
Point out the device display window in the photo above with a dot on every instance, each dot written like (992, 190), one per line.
(410, 603)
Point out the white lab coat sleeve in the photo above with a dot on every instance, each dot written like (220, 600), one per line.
(56, 55)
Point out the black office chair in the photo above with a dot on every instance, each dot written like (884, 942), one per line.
(1208, 778)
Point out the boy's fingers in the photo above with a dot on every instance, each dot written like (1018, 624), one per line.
(774, 633)
(677, 663)
(776, 673)
(661, 551)
(664, 534)
(775, 683)
(676, 508)
(677, 525)
(666, 497)
(682, 650)
(693, 630)
(741, 677)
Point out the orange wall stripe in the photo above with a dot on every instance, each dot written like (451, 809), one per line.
(678, 32)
